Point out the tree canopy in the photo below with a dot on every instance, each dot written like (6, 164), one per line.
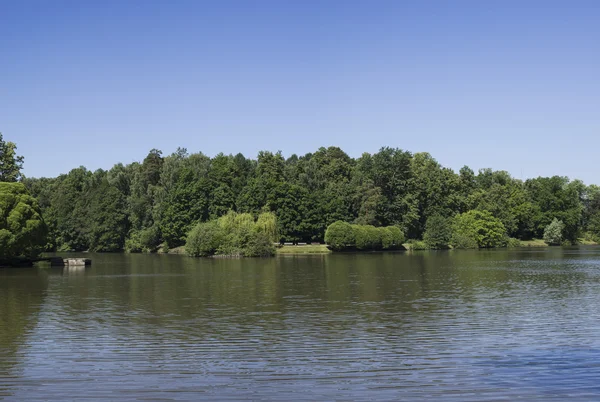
(22, 229)
(10, 163)
(158, 201)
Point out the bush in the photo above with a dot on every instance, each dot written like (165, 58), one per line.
(258, 244)
(463, 241)
(397, 236)
(339, 236)
(204, 239)
(367, 237)
(438, 232)
(417, 245)
(374, 237)
(477, 229)
(387, 238)
(234, 235)
(512, 242)
(553, 234)
(342, 236)
(147, 241)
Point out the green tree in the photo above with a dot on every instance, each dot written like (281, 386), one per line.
(204, 239)
(108, 219)
(438, 232)
(553, 233)
(477, 229)
(70, 209)
(186, 204)
(556, 197)
(10, 163)
(22, 229)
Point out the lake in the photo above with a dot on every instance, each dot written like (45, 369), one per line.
(452, 326)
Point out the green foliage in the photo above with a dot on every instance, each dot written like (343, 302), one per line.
(143, 241)
(339, 236)
(553, 233)
(557, 198)
(159, 200)
(463, 240)
(417, 245)
(397, 236)
(344, 236)
(476, 228)
(108, 220)
(438, 232)
(512, 242)
(22, 229)
(204, 239)
(10, 163)
(258, 244)
(233, 235)
(267, 223)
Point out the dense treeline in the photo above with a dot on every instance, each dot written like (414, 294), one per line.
(155, 203)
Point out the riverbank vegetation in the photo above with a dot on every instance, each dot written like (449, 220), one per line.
(234, 235)
(156, 203)
(22, 229)
(342, 236)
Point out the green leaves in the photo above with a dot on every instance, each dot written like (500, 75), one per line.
(553, 233)
(344, 236)
(233, 235)
(477, 229)
(10, 163)
(22, 229)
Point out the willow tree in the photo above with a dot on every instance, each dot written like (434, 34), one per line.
(267, 224)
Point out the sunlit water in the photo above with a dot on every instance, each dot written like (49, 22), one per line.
(468, 325)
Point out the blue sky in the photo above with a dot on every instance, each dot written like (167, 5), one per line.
(512, 85)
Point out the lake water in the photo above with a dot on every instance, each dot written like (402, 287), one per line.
(464, 325)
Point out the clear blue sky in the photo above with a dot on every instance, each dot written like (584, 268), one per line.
(511, 85)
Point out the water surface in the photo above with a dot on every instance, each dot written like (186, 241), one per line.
(465, 325)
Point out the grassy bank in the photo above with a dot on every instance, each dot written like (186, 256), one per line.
(533, 243)
(541, 243)
(304, 249)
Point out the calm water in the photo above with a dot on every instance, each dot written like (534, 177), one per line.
(488, 325)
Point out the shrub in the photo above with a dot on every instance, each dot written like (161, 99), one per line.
(339, 235)
(387, 238)
(258, 244)
(204, 239)
(373, 237)
(397, 236)
(553, 234)
(463, 241)
(342, 236)
(438, 232)
(477, 229)
(417, 245)
(147, 240)
(512, 242)
(361, 237)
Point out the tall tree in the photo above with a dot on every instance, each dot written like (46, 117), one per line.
(10, 163)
